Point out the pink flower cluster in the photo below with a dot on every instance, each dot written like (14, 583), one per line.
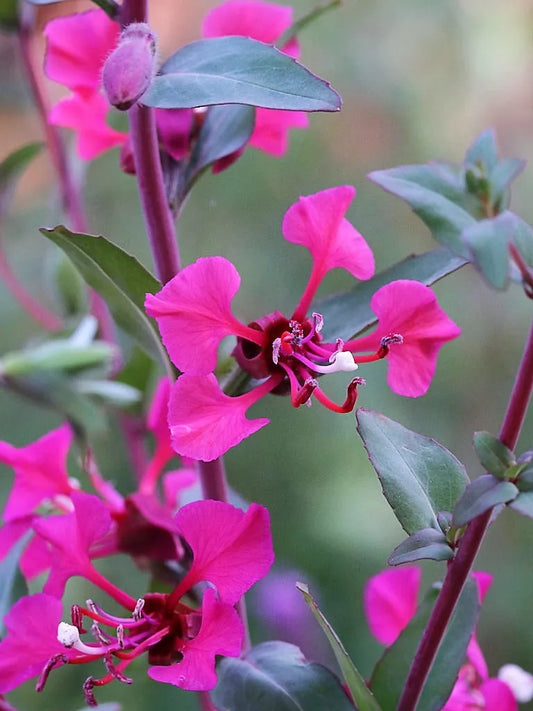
(182, 631)
(288, 354)
(78, 45)
(390, 600)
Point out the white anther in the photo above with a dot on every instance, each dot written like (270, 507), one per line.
(520, 682)
(69, 636)
(343, 361)
(318, 321)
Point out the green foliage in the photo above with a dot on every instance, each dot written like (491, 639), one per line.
(119, 278)
(419, 476)
(481, 495)
(13, 166)
(9, 15)
(425, 544)
(238, 70)
(361, 694)
(274, 676)
(306, 20)
(391, 671)
(348, 313)
(494, 456)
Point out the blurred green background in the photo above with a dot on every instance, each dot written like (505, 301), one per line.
(419, 81)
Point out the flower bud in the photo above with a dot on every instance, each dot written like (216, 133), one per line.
(129, 69)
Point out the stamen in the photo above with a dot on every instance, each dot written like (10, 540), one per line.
(348, 404)
(69, 636)
(137, 612)
(305, 392)
(115, 672)
(276, 347)
(88, 686)
(342, 362)
(56, 660)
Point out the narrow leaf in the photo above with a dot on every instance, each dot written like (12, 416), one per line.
(56, 355)
(119, 278)
(419, 477)
(502, 175)
(425, 544)
(483, 151)
(307, 19)
(238, 70)
(494, 456)
(361, 694)
(481, 495)
(444, 217)
(13, 585)
(274, 676)
(391, 671)
(12, 167)
(347, 314)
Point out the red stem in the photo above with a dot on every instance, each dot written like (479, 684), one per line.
(459, 569)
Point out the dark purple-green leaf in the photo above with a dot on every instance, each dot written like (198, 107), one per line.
(349, 313)
(425, 544)
(482, 494)
(487, 241)
(274, 676)
(389, 676)
(419, 476)
(238, 70)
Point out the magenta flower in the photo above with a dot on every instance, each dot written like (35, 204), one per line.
(231, 549)
(78, 46)
(265, 22)
(390, 601)
(193, 311)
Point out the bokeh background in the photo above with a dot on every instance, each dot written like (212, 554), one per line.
(419, 81)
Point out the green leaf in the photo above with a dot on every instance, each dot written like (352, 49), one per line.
(12, 167)
(482, 494)
(391, 671)
(418, 187)
(361, 694)
(522, 236)
(523, 504)
(494, 456)
(307, 19)
(109, 391)
(108, 6)
(274, 676)
(347, 314)
(501, 176)
(118, 278)
(13, 585)
(487, 241)
(226, 129)
(60, 354)
(425, 544)
(419, 476)
(238, 70)
(483, 151)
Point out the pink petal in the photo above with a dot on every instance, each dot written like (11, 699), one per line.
(484, 581)
(87, 116)
(174, 129)
(157, 419)
(464, 696)
(71, 537)
(317, 222)
(204, 422)
(77, 46)
(271, 130)
(175, 482)
(390, 600)
(476, 658)
(193, 312)
(221, 633)
(231, 549)
(31, 639)
(498, 696)
(262, 21)
(40, 471)
(11, 532)
(410, 309)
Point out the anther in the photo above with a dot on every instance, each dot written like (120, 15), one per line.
(137, 612)
(305, 392)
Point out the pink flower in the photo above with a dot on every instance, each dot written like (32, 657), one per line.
(78, 46)
(390, 601)
(193, 311)
(265, 22)
(231, 550)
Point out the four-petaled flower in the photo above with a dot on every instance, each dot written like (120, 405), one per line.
(193, 311)
(181, 631)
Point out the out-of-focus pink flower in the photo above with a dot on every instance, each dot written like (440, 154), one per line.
(193, 311)
(265, 22)
(231, 550)
(390, 601)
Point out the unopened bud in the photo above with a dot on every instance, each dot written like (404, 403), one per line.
(129, 69)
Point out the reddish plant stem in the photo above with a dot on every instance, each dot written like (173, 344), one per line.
(204, 701)
(70, 193)
(47, 319)
(459, 569)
